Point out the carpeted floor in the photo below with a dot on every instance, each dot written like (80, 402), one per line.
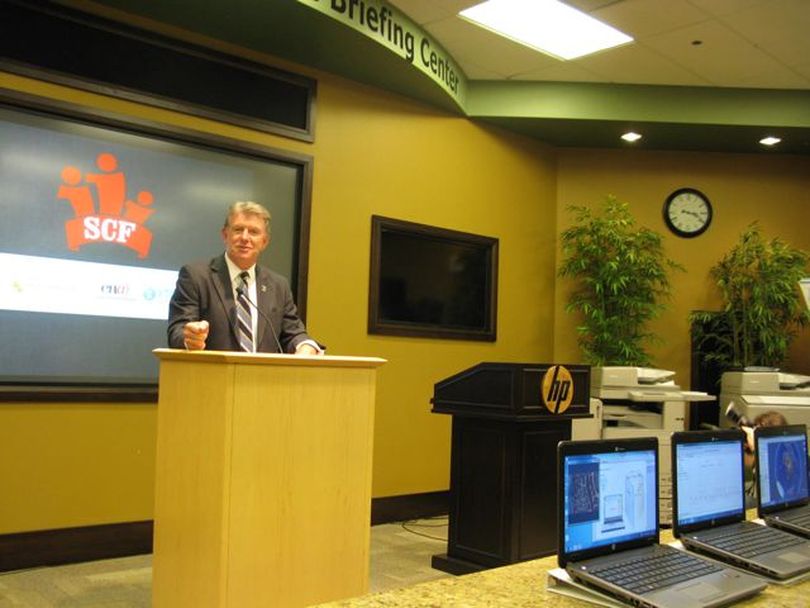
(400, 556)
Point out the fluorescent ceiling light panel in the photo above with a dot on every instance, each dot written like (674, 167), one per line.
(546, 25)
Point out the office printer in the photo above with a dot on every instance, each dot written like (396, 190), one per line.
(644, 402)
(756, 392)
(642, 397)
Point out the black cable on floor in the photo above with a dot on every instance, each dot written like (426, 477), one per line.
(441, 522)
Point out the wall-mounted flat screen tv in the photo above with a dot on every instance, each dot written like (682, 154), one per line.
(97, 220)
(432, 282)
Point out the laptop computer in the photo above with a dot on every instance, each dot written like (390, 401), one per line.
(708, 507)
(783, 500)
(607, 497)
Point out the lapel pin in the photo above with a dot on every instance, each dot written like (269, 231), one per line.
(264, 288)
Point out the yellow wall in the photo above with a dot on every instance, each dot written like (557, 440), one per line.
(75, 465)
(65, 465)
(381, 155)
(374, 154)
(775, 190)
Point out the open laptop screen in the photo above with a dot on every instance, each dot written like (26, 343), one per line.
(608, 498)
(709, 481)
(782, 472)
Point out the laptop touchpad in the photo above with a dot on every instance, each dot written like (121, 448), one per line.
(793, 557)
(700, 591)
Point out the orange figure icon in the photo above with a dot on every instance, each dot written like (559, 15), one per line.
(111, 185)
(79, 197)
(137, 211)
(117, 220)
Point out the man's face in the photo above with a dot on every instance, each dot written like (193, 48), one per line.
(245, 237)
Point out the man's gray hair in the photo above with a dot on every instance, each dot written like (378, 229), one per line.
(248, 208)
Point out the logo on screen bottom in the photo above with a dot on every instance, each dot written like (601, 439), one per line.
(103, 212)
(557, 389)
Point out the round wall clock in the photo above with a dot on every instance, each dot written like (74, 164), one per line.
(687, 212)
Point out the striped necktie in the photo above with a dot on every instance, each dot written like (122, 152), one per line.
(244, 315)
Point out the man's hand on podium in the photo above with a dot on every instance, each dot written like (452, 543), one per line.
(194, 334)
(305, 348)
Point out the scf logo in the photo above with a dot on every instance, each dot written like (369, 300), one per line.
(108, 229)
(557, 389)
(103, 211)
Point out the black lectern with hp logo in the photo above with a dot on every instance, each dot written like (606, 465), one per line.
(507, 421)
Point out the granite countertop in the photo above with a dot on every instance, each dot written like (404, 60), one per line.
(517, 585)
(523, 585)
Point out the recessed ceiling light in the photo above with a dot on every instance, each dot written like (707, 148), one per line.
(546, 25)
(631, 136)
(770, 141)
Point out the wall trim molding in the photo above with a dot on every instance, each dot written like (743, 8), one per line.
(409, 506)
(106, 541)
(73, 545)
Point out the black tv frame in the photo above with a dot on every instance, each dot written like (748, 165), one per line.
(119, 392)
(378, 325)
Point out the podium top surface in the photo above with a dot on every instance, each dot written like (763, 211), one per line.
(221, 356)
(515, 390)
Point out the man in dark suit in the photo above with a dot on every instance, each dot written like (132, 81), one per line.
(214, 304)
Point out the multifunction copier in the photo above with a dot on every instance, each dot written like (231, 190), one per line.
(644, 402)
(757, 392)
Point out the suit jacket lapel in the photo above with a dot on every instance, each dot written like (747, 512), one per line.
(221, 280)
(263, 301)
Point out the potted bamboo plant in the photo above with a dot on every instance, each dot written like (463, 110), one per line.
(763, 309)
(620, 273)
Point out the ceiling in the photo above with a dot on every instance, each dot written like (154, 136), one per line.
(706, 43)
(708, 75)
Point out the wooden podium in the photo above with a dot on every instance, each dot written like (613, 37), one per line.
(263, 479)
(503, 460)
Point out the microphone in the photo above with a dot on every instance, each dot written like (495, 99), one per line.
(241, 291)
(736, 417)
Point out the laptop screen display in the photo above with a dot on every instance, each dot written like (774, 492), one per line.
(709, 481)
(782, 477)
(608, 498)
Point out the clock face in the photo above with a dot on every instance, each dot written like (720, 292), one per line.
(687, 212)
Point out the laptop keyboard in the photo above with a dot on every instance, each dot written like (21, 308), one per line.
(800, 519)
(645, 574)
(753, 540)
